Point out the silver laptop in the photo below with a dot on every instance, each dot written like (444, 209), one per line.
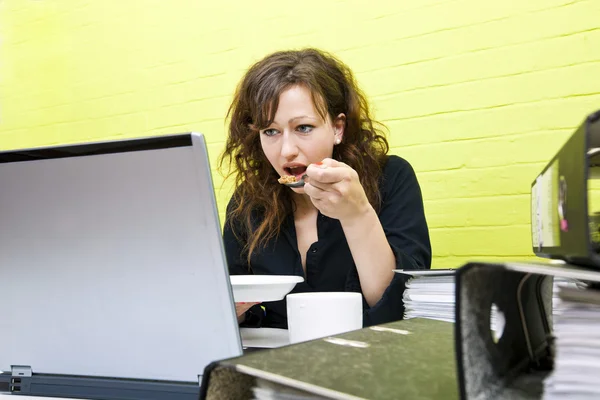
(112, 270)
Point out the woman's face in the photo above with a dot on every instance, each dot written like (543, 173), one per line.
(298, 135)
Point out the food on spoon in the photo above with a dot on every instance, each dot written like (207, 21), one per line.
(287, 179)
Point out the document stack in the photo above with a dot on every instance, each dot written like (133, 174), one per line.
(577, 344)
(430, 294)
(561, 284)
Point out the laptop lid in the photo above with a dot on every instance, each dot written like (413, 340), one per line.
(111, 261)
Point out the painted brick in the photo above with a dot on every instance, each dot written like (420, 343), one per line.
(488, 152)
(505, 180)
(565, 113)
(486, 241)
(523, 88)
(476, 65)
(477, 96)
(404, 48)
(478, 211)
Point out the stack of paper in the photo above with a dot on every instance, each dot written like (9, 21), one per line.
(557, 303)
(430, 294)
(577, 344)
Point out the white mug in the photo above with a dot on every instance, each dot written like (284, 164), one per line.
(316, 315)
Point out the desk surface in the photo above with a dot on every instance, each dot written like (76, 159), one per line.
(265, 338)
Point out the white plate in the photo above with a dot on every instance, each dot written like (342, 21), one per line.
(259, 288)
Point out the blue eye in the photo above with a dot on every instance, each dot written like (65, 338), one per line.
(305, 128)
(270, 132)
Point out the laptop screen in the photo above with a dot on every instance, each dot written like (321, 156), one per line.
(111, 261)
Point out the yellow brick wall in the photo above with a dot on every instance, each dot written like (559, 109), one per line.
(477, 94)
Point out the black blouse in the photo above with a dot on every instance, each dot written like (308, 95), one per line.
(329, 263)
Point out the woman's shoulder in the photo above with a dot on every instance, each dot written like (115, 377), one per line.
(396, 167)
(398, 178)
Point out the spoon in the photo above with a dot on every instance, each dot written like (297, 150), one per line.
(297, 184)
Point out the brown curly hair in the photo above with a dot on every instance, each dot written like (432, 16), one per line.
(334, 91)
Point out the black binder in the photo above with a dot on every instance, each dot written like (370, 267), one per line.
(410, 359)
(515, 365)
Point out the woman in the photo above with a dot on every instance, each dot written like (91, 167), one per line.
(358, 217)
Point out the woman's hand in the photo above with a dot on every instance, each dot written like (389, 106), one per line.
(334, 188)
(241, 308)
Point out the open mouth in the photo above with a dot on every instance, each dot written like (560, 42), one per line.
(296, 171)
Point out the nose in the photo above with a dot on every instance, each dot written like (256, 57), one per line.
(289, 147)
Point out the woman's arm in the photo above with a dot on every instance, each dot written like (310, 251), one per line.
(396, 238)
(372, 254)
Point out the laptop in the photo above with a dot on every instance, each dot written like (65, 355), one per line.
(112, 270)
(565, 208)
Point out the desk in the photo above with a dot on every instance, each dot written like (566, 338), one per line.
(264, 338)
